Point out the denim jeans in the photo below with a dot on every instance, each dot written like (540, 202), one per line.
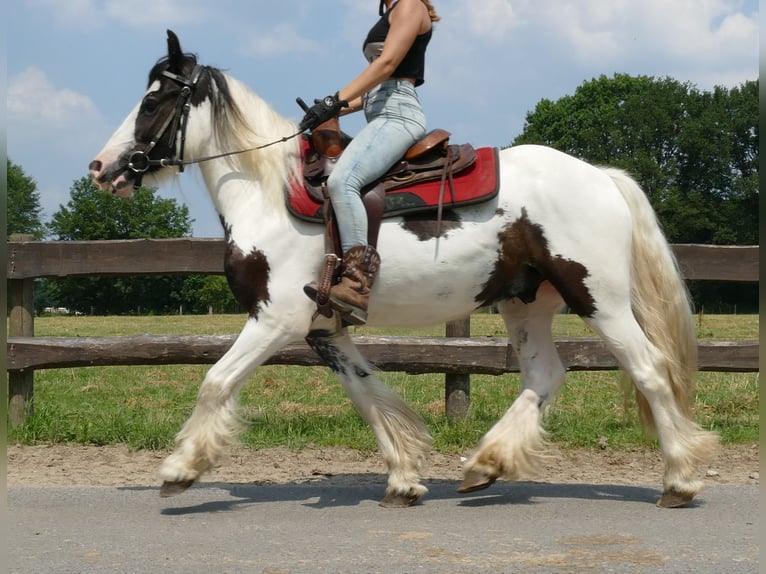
(395, 121)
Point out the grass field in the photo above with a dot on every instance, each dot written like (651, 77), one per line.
(144, 406)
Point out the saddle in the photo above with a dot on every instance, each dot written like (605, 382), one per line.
(431, 174)
(426, 160)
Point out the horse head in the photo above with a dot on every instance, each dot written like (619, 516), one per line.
(153, 135)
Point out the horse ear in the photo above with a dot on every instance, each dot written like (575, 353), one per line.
(175, 55)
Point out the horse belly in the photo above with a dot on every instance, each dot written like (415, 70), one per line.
(430, 282)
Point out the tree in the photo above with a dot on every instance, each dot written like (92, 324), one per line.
(695, 153)
(24, 209)
(92, 214)
(202, 293)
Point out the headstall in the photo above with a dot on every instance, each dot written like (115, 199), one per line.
(139, 161)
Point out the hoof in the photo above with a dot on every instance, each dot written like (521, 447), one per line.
(475, 480)
(174, 488)
(674, 499)
(392, 500)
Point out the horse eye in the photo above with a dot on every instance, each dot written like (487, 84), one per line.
(150, 105)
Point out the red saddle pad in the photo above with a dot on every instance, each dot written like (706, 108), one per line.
(477, 183)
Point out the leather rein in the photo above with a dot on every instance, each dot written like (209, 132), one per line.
(139, 162)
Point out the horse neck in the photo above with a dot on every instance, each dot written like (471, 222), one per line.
(252, 184)
(241, 198)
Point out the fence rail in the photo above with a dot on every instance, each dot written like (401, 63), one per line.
(458, 355)
(32, 259)
(415, 355)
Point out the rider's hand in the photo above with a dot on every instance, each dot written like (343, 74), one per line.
(322, 110)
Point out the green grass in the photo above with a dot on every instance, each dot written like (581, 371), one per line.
(144, 406)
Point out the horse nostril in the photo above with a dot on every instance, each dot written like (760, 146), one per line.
(95, 165)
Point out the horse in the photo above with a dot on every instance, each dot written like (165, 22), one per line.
(559, 233)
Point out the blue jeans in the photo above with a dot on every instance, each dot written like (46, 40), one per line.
(395, 121)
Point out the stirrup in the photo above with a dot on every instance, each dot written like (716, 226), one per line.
(350, 314)
(319, 292)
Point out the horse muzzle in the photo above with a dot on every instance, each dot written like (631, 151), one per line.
(121, 184)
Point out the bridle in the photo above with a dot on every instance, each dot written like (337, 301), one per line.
(139, 162)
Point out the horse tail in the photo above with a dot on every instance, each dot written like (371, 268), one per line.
(660, 300)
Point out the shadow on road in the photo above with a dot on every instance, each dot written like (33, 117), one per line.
(353, 490)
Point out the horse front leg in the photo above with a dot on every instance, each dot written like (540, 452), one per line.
(214, 423)
(401, 434)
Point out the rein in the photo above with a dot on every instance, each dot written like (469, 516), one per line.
(139, 161)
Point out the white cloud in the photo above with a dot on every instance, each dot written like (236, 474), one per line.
(71, 12)
(139, 13)
(707, 42)
(714, 32)
(90, 14)
(708, 31)
(488, 19)
(33, 100)
(52, 132)
(282, 39)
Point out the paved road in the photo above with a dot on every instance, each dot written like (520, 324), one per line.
(321, 527)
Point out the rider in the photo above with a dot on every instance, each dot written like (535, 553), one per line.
(395, 49)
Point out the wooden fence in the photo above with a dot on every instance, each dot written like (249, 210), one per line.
(457, 355)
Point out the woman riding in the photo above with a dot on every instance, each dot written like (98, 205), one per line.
(395, 49)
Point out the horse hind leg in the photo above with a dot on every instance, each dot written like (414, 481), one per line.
(514, 447)
(401, 434)
(664, 408)
(643, 312)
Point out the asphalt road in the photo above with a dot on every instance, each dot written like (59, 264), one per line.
(321, 527)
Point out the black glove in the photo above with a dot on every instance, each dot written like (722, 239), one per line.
(322, 110)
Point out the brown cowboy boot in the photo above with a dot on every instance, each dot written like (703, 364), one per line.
(350, 296)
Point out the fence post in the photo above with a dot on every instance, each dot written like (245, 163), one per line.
(21, 324)
(457, 386)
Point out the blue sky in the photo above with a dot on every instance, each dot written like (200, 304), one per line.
(75, 68)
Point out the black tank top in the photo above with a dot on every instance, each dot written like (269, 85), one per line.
(414, 63)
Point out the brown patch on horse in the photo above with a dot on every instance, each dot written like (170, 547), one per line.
(248, 277)
(425, 226)
(525, 261)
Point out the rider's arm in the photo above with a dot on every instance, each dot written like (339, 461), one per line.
(353, 106)
(406, 23)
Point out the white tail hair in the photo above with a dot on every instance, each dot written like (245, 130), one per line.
(659, 298)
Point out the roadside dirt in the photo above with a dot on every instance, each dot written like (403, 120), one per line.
(74, 465)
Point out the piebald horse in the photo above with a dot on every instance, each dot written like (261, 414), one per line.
(558, 232)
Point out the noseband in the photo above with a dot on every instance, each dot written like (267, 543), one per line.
(139, 161)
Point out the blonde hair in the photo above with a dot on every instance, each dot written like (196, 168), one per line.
(431, 11)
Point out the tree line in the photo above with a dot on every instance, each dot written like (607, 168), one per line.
(92, 215)
(694, 152)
